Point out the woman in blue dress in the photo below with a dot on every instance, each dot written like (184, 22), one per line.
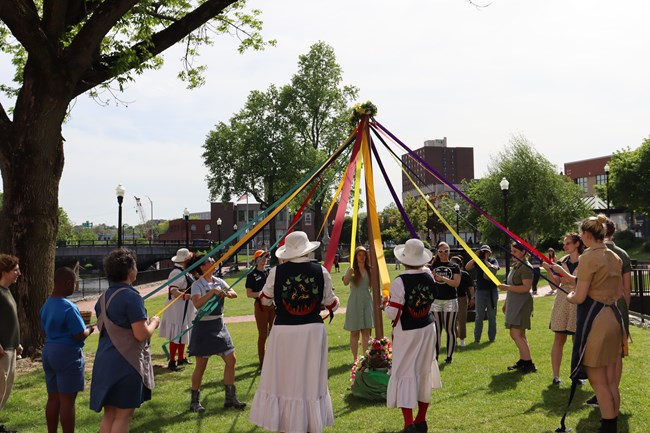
(358, 315)
(122, 373)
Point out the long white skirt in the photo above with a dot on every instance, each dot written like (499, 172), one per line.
(414, 372)
(176, 319)
(293, 396)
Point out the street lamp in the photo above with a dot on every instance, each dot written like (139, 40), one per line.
(234, 229)
(607, 186)
(504, 184)
(457, 209)
(219, 241)
(186, 217)
(119, 192)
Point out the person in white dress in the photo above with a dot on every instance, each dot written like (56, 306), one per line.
(293, 396)
(178, 317)
(414, 371)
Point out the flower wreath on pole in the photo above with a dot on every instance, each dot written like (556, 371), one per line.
(370, 373)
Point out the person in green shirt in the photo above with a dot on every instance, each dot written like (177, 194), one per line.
(518, 307)
(10, 347)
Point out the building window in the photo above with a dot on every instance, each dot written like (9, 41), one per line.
(582, 181)
(241, 215)
(308, 219)
(207, 228)
(251, 215)
(193, 227)
(601, 179)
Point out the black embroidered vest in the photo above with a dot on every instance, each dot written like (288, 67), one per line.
(419, 293)
(298, 292)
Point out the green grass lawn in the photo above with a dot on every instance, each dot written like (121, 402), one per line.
(478, 394)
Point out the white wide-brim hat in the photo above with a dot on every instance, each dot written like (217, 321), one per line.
(296, 244)
(413, 253)
(181, 255)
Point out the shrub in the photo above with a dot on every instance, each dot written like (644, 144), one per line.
(646, 247)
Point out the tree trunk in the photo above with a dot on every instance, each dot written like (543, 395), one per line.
(31, 159)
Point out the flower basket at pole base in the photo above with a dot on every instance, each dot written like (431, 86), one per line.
(370, 373)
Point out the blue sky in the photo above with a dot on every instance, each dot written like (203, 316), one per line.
(572, 77)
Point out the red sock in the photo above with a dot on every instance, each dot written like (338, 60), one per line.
(181, 352)
(407, 413)
(422, 412)
(172, 350)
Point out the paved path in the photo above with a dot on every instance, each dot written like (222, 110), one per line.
(89, 303)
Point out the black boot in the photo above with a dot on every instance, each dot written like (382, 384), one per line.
(195, 405)
(608, 425)
(172, 366)
(231, 398)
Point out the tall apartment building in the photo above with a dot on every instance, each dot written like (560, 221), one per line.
(453, 163)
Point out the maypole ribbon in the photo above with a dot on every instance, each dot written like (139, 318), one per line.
(456, 236)
(331, 206)
(405, 217)
(343, 203)
(440, 177)
(355, 210)
(373, 218)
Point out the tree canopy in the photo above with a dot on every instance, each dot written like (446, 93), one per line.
(282, 133)
(628, 169)
(61, 50)
(542, 204)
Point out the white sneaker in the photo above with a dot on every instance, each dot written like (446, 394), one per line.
(462, 342)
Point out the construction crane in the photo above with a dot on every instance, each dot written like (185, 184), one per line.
(143, 217)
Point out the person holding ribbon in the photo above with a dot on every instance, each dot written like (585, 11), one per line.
(264, 316)
(563, 315)
(358, 315)
(293, 395)
(445, 307)
(410, 306)
(122, 376)
(210, 335)
(179, 316)
(487, 294)
(598, 343)
(518, 307)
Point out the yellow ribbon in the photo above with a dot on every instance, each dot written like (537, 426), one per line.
(460, 240)
(373, 218)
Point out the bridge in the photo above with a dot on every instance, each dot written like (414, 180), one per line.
(148, 253)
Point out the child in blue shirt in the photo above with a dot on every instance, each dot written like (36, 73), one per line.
(63, 360)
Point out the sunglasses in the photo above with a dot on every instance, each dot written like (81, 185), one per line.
(443, 251)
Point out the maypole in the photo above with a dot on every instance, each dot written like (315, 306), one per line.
(379, 278)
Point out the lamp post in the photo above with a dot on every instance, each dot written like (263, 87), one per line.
(186, 217)
(607, 186)
(504, 184)
(234, 229)
(119, 192)
(457, 209)
(219, 241)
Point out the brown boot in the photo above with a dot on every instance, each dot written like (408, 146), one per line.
(231, 398)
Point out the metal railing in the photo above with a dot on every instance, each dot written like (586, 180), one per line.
(94, 286)
(640, 289)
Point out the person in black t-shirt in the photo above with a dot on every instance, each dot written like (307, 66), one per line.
(263, 315)
(445, 307)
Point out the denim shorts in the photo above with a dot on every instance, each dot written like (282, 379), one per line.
(445, 305)
(64, 367)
